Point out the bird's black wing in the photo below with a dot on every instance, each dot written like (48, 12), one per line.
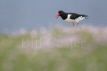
(75, 15)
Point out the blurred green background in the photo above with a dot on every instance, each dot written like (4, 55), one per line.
(30, 51)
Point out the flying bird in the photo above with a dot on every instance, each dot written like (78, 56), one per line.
(71, 17)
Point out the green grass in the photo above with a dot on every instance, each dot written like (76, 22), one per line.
(92, 56)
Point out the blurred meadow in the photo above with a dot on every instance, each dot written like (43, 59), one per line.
(58, 49)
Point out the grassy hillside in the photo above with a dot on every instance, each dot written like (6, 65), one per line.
(58, 49)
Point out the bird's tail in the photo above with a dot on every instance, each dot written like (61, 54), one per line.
(85, 16)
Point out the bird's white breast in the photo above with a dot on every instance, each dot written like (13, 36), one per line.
(73, 20)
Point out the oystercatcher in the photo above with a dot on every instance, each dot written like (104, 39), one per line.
(71, 17)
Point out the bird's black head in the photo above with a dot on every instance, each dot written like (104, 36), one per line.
(59, 14)
(60, 11)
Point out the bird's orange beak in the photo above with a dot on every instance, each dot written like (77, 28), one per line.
(57, 16)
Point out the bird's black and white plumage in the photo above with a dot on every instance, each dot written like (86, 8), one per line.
(71, 17)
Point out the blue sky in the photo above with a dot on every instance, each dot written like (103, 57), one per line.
(29, 14)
